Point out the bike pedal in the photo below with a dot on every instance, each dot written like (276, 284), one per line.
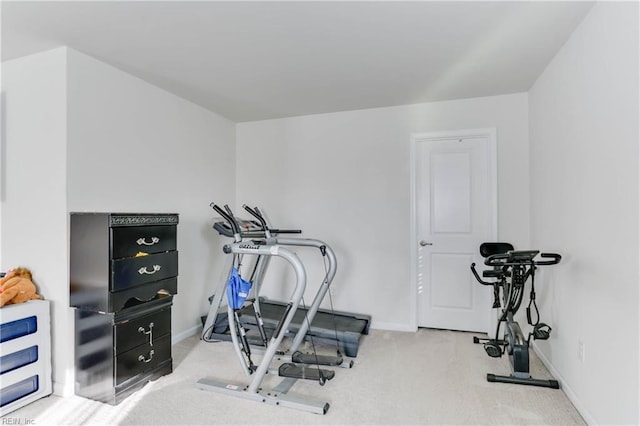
(541, 331)
(541, 335)
(493, 349)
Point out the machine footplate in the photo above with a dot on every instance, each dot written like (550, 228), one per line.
(302, 358)
(303, 372)
(553, 384)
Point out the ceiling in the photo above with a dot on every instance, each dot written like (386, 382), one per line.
(261, 60)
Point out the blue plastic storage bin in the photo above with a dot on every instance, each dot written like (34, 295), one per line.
(18, 359)
(14, 329)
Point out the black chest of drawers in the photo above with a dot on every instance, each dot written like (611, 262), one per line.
(123, 275)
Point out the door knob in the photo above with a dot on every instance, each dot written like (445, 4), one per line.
(425, 243)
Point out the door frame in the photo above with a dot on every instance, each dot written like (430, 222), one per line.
(416, 138)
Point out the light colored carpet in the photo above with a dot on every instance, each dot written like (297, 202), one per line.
(428, 377)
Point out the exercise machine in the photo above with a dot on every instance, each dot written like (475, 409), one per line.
(342, 329)
(290, 372)
(510, 270)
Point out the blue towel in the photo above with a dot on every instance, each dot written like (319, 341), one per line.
(237, 289)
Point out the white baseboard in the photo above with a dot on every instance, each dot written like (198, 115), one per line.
(175, 338)
(63, 389)
(392, 326)
(586, 415)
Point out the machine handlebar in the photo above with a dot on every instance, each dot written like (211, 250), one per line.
(555, 259)
(255, 212)
(521, 257)
(286, 231)
(475, 273)
(227, 215)
(257, 215)
(245, 228)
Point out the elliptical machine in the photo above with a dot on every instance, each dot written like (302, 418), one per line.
(301, 327)
(237, 291)
(510, 271)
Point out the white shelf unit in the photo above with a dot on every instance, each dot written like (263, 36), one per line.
(25, 354)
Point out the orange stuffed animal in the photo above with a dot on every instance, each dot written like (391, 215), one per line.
(17, 287)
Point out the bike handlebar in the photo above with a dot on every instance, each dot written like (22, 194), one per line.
(475, 273)
(522, 257)
(555, 259)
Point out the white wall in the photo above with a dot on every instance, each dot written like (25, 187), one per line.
(345, 178)
(584, 204)
(34, 203)
(84, 136)
(133, 147)
(80, 135)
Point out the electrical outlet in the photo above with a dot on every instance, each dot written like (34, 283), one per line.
(581, 350)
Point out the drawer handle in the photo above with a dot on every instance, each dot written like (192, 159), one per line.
(150, 332)
(144, 270)
(143, 241)
(142, 358)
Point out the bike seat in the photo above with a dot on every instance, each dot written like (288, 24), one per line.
(491, 248)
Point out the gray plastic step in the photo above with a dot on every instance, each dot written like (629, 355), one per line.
(304, 372)
(309, 358)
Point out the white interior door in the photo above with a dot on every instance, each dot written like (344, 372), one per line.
(455, 211)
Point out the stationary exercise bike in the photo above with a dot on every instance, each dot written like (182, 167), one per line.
(510, 271)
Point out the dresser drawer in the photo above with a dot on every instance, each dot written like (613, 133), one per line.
(123, 272)
(142, 330)
(127, 241)
(141, 359)
(129, 272)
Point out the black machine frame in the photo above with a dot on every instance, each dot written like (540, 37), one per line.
(511, 269)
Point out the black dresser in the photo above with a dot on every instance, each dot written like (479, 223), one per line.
(123, 275)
